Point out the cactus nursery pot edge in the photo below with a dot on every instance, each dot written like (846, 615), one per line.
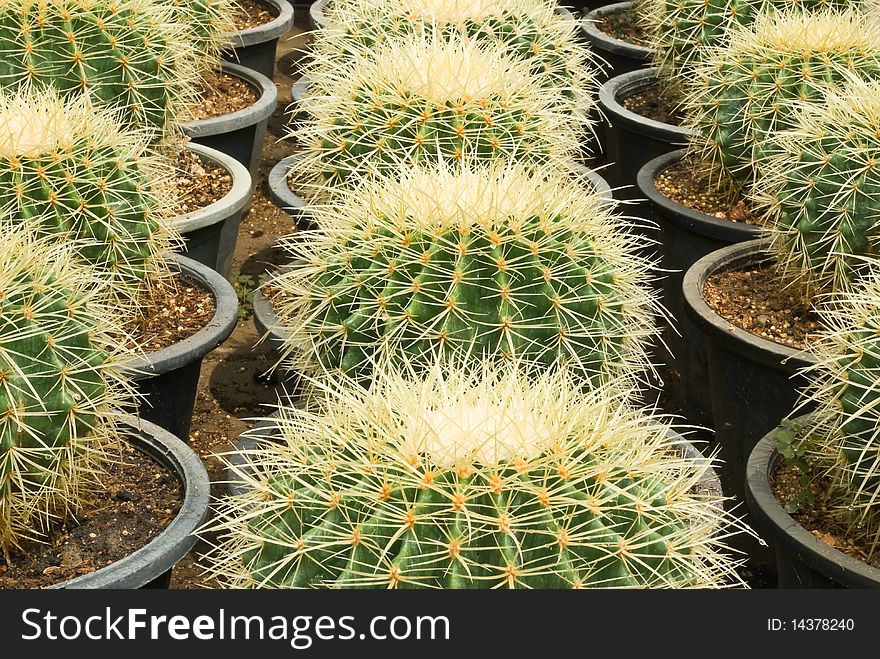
(168, 378)
(256, 47)
(240, 134)
(802, 559)
(686, 235)
(151, 565)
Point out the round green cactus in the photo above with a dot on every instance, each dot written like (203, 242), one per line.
(122, 53)
(745, 91)
(531, 30)
(844, 395)
(821, 184)
(680, 30)
(422, 100)
(494, 260)
(60, 384)
(479, 478)
(68, 171)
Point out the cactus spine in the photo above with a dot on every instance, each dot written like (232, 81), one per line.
(492, 259)
(746, 90)
(680, 30)
(211, 22)
(530, 30)
(121, 53)
(822, 186)
(480, 478)
(67, 171)
(60, 384)
(844, 388)
(424, 100)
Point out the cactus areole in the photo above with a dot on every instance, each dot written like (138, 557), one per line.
(472, 481)
(494, 261)
(57, 395)
(120, 53)
(748, 87)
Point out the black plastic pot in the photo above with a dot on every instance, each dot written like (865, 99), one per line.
(620, 56)
(266, 322)
(297, 207)
(285, 198)
(296, 111)
(802, 559)
(267, 326)
(168, 378)
(211, 232)
(686, 236)
(590, 5)
(151, 565)
(317, 20)
(631, 140)
(256, 47)
(753, 382)
(239, 134)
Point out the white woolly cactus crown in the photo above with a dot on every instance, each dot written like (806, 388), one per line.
(477, 477)
(747, 88)
(422, 100)
(75, 173)
(62, 351)
(821, 189)
(496, 259)
(437, 68)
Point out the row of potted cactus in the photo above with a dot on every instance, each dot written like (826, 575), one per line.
(783, 107)
(94, 101)
(467, 322)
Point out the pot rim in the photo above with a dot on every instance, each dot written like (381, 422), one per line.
(720, 330)
(634, 81)
(592, 33)
(268, 31)
(266, 320)
(317, 20)
(195, 346)
(253, 114)
(176, 540)
(233, 201)
(681, 216)
(807, 548)
(280, 192)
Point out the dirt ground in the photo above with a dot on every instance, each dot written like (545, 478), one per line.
(231, 387)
